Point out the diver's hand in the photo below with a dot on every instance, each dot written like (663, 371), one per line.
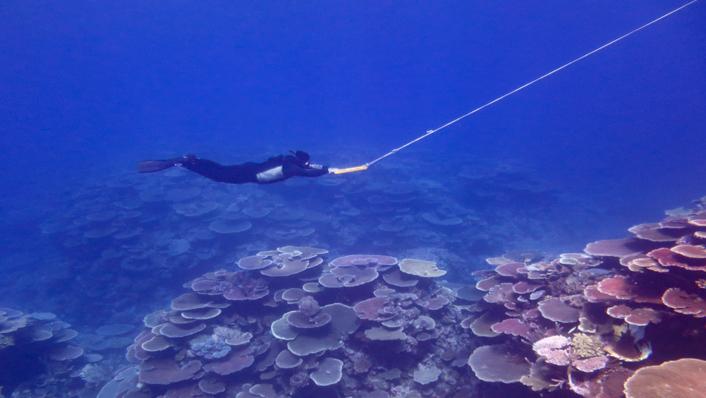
(333, 170)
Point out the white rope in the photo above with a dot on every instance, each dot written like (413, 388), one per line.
(522, 87)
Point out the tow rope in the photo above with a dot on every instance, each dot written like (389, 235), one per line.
(509, 93)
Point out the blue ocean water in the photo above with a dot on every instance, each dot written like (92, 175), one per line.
(87, 89)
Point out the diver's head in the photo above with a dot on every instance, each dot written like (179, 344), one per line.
(302, 158)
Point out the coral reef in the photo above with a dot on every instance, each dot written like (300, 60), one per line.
(586, 322)
(38, 356)
(288, 324)
(120, 242)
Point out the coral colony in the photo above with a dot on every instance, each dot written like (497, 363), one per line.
(623, 319)
(286, 322)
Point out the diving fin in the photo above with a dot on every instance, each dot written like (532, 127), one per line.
(152, 166)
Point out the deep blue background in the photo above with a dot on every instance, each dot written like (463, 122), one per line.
(89, 87)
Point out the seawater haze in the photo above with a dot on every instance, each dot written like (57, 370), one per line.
(90, 88)
(93, 86)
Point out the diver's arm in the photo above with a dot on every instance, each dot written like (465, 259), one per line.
(312, 170)
(315, 170)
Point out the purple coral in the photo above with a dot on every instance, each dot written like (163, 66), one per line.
(556, 310)
(328, 373)
(164, 371)
(498, 363)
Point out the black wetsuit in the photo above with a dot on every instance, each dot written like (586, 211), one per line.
(274, 169)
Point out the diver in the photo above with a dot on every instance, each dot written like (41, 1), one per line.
(274, 169)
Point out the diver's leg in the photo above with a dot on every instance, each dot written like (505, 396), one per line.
(152, 166)
(214, 171)
(237, 174)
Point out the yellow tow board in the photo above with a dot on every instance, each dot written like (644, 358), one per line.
(347, 170)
